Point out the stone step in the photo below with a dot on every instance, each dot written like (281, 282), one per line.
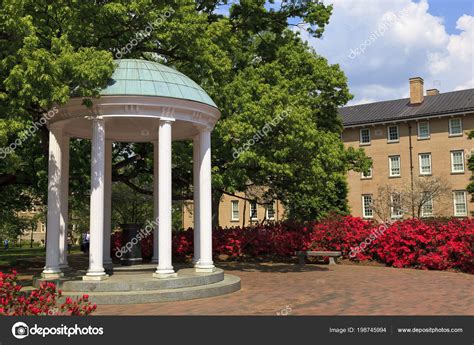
(139, 281)
(228, 285)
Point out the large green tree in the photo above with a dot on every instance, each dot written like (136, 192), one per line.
(249, 61)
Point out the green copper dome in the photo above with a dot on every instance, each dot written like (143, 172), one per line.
(146, 78)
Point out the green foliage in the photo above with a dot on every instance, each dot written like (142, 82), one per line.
(129, 206)
(249, 62)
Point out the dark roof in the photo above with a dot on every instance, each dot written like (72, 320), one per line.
(400, 109)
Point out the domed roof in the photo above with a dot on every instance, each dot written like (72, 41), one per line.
(145, 78)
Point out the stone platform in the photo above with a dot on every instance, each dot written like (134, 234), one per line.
(135, 284)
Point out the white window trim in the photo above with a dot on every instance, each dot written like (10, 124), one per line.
(399, 166)
(266, 213)
(393, 215)
(419, 163)
(452, 162)
(360, 136)
(363, 207)
(423, 214)
(465, 203)
(232, 218)
(449, 125)
(256, 211)
(429, 130)
(388, 134)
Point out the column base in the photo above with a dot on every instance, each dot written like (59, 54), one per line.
(165, 273)
(98, 274)
(154, 260)
(204, 268)
(52, 274)
(95, 277)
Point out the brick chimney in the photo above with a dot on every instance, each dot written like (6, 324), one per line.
(416, 90)
(432, 92)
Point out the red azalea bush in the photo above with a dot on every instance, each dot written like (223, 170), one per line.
(116, 243)
(431, 244)
(42, 301)
(147, 246)
(434, 245)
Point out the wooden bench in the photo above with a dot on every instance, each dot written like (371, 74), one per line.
(333, 256)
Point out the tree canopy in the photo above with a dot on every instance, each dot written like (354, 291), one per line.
(259, 72)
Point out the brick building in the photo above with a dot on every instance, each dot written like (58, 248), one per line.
(410, 139)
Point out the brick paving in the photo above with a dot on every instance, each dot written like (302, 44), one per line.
(268, 289)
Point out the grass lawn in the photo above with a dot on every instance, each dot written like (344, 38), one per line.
(24, 257)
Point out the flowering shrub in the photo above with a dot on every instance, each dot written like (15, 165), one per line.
(147, 246)
(115, 243)
(43, 301)
(435, 244)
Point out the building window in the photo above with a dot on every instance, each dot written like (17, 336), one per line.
(394, 163)
(393, 135)
(455, 127)
(425, 163)
(423, 130)
(365, 136)
(253, 211)
(368, 175)
(457, 161)
(427, 208)
(270, 212)
(367, 210)
(396, 206)
(43, 227)
(460, 204)
(235, 210)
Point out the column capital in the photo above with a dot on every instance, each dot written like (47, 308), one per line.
(166, 119)
(204, 129)
(95, 118)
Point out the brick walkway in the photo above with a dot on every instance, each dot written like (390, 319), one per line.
(268, 289)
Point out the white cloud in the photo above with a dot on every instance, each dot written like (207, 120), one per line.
(391, 51)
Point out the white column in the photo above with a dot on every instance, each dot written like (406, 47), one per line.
(107, 202)
(205, 263)
(165, 268)
(51, 269)
(96, 267)
(64, 202)
(196, 169)
(154, 259)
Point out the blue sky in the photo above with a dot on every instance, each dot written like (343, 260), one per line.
(451, 10)
(380, 44)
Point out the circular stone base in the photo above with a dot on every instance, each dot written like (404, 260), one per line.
(135, 286)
